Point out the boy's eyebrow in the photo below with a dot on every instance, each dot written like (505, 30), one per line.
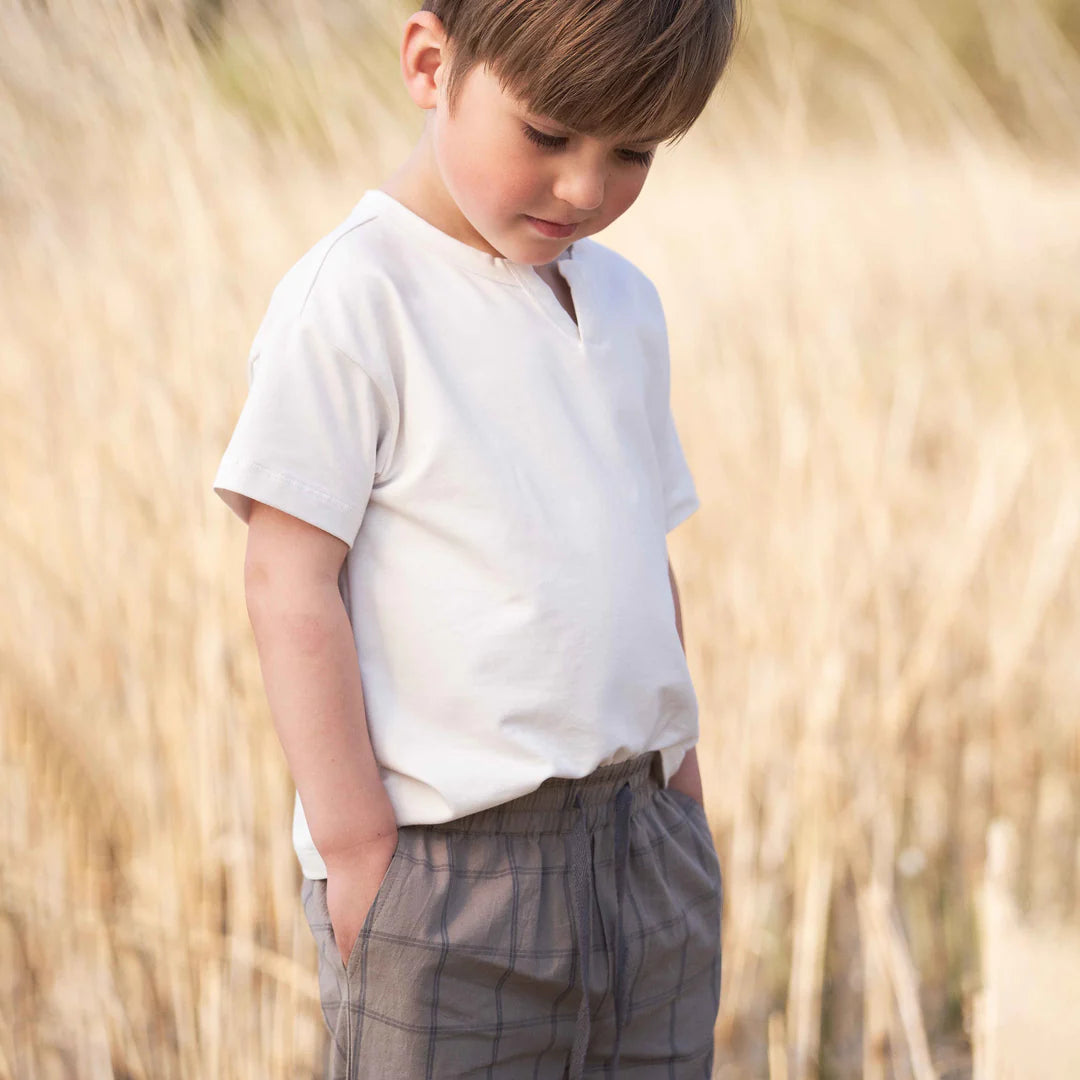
(573, 131)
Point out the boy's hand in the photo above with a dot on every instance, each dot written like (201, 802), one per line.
(353, 880)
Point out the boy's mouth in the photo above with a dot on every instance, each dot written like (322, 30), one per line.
(552, 228)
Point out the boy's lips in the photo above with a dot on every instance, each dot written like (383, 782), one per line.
(552, 228)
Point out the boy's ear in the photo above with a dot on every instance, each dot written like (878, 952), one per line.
(423, 57)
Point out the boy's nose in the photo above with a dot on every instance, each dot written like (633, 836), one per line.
(583, 190)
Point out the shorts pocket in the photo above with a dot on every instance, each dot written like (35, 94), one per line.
(695, 812)
(688, 802)
(319, 913)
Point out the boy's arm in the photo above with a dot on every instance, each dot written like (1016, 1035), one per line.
(312, 679)
(687, 777)
(675, 598)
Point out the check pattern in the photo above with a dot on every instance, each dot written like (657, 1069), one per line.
(469, 962)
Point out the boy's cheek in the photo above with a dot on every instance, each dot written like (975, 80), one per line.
(623, 195)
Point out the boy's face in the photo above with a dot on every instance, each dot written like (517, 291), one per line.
(500, 178)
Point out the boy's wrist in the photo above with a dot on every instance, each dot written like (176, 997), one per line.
(347, 850)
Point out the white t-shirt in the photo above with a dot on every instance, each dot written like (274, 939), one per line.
(504, 479)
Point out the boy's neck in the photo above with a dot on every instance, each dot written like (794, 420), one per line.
(417, 185)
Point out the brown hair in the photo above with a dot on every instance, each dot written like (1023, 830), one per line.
(633, 70)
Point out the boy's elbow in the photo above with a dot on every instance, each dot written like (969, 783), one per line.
(286, 606)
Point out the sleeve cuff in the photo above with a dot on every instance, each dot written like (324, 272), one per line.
(240, 482)
(681, 509)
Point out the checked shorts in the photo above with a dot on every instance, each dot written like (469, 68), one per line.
(572, 931)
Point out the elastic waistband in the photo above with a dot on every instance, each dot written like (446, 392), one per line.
(551, 807)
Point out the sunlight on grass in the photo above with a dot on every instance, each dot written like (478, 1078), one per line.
(868, 252)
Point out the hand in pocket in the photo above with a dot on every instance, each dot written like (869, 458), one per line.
(353, 882)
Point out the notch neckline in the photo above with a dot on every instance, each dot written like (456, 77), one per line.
(450, 247)
(524, 275)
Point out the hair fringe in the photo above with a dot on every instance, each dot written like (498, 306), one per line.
(621, 69)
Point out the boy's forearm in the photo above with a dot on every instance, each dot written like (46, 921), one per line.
(312, 679)
(687, 777)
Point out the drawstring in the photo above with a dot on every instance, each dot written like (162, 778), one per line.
(580, 879)
(580, 875)
(622, 854)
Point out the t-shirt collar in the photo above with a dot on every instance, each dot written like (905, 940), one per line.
(449, 247)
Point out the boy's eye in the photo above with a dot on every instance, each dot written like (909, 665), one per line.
(553, 142)
(550, 142)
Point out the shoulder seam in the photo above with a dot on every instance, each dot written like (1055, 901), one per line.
(388, 405)
(326, 255)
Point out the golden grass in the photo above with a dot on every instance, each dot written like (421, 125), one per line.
(868, 254)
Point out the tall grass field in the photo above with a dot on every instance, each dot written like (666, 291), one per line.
(868, 250)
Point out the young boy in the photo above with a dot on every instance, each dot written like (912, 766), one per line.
(458, 465)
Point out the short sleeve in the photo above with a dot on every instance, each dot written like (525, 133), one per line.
(680, 493)
(313, 433)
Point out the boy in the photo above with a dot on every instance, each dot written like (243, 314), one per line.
(458, 465)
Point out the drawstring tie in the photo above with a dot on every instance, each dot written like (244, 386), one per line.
(580, 875)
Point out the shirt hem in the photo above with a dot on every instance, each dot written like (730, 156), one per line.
(239, 482)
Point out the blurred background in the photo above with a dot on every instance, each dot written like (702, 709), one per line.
(869, 254)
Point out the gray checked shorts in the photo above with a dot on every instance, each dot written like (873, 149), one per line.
(572, 931)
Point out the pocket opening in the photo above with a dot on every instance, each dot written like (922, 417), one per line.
(318, 891)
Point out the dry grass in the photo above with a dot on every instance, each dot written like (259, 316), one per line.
(868, 252)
